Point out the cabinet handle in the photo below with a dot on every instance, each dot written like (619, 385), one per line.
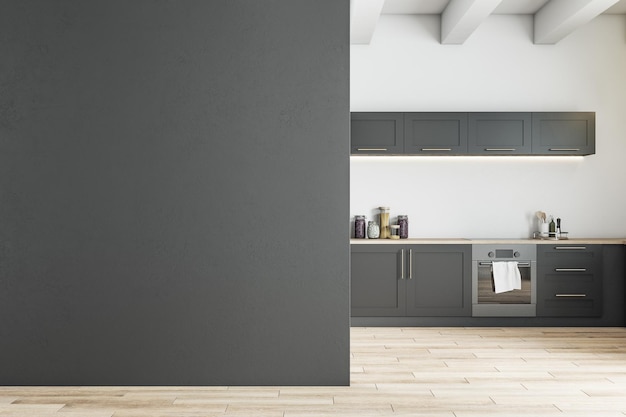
(571, 269)
(570, 247)
(564, 149)
(401, 263)
(571, 295)
(500, 149)
(371, 149)
(410, 263)
(437, 149)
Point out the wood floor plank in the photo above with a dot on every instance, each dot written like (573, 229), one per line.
(395, 372)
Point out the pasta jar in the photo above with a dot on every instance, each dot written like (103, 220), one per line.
(403, 222)
(359, 227)
(384, 223)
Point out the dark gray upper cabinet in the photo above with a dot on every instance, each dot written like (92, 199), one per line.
(504, 133)
(479, 133)
(376, 133)
(435, 133)
(571, 133)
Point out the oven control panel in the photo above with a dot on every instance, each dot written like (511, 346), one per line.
(504, 252)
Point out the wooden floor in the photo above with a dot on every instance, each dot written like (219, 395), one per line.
(395, 372)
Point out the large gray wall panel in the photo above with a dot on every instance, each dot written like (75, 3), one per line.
(173, 192)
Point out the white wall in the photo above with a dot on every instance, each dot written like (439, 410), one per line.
(405, 68)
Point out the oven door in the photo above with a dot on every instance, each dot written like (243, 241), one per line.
(516, 303)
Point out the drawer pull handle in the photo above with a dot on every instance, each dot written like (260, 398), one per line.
(501, 149)
(371, 149)
(571, 295)
(564, 149)
(571, 269)
(437, 149)
(570, 248)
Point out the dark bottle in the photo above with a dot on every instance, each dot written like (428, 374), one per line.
(359, 227)
(403, 222)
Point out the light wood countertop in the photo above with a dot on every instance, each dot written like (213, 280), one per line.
(461, 241)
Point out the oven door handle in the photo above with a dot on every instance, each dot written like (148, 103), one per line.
(522, 264)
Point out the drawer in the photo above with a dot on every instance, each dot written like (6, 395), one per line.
(570, 307)
(571, 284)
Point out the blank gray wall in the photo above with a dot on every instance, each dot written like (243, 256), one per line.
(174, 192)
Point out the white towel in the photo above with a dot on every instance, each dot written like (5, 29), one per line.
(506, 276)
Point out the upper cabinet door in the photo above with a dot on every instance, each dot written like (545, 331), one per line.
(435, 133)
(499, 134)
(570, 133)
(376, 133)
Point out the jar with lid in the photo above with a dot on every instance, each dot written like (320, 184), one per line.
(403, 222)
(384, 222)
(394, 231)
(359, 227)
(373, 230)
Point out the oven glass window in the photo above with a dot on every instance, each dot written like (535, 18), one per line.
(487, 294)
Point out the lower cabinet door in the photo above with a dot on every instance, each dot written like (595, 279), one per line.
(378, 280)
(439, 280)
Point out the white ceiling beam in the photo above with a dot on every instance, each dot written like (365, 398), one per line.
(364, 16)
(559, 18)
(462, 17)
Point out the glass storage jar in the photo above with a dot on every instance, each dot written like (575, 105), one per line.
(359, 227)
(373, 230)
(394, 231)
(384, 222)
(403, 222)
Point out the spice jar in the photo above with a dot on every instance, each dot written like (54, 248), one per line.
(359, 227)
(403, 222)
(373, 230)
(394, 231)
(384, 222)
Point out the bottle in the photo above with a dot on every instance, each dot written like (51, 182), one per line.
(373, 230)
(403, 222)
(552, 228)
(359, 227)
(384, 222)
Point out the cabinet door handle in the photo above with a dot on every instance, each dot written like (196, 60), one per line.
(570, 247)
(571, 295)
(437, 149)
(401, 263)
(410, 263)
(564, 149)
(500, 149)
(571, 269)
(371, 149)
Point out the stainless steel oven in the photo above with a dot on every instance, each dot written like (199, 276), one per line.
(516, 303)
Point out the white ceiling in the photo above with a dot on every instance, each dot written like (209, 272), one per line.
(506, 7)
(553, 19)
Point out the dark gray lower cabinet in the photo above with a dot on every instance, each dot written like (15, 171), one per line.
(410, 280)
(439, 280)
(569, 280)
(377, 287)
